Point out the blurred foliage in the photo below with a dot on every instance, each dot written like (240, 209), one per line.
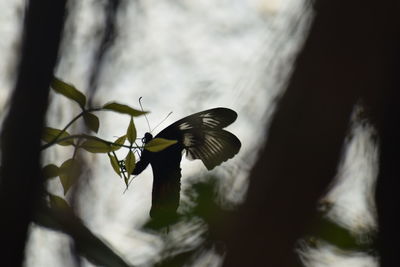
(201, 220)
(326, 230)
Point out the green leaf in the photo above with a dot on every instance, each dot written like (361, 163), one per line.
(120, 141)
(50, 171)
(130, 162)
(338, 235)
(69, 172)
(59, 203)
(50, 134)
(124, 109)
(114, 164)
(96, 146)
(131, 132)
(91, 121)
(158, 144)
(68, 91)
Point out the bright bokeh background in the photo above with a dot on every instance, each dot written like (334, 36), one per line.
(182, 56)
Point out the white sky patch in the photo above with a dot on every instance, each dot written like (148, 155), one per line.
(329, 256)
(352, 194)
(11, 19)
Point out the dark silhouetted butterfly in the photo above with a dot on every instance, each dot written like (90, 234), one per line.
(202, 136)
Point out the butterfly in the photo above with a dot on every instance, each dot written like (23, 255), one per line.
(201, 136)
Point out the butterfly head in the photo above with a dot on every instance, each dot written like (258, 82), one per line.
(147, 138)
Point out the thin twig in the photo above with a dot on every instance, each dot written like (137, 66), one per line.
(86, 137)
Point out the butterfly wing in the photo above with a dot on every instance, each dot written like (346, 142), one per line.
(202, 136)
(212, 146)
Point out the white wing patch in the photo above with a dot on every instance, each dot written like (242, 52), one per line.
(188, 139)
(185, 126)
(207, 119)
(213, 144)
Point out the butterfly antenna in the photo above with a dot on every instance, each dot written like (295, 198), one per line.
(162, 121)
(140, 103)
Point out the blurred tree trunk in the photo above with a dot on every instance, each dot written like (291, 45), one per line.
(20, 179)
(387, 194)
(348, 56)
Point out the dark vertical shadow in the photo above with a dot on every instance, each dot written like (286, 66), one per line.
(347, 56)
(108, 37)
(387, 191)
(20, 179)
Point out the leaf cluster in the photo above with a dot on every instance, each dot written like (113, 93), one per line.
(55, 212)
(69, 169)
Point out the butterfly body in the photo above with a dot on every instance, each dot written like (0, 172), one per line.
(166, 179)
(202, 136)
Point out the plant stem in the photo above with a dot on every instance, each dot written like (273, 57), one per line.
(86, 137)
(54, 141)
